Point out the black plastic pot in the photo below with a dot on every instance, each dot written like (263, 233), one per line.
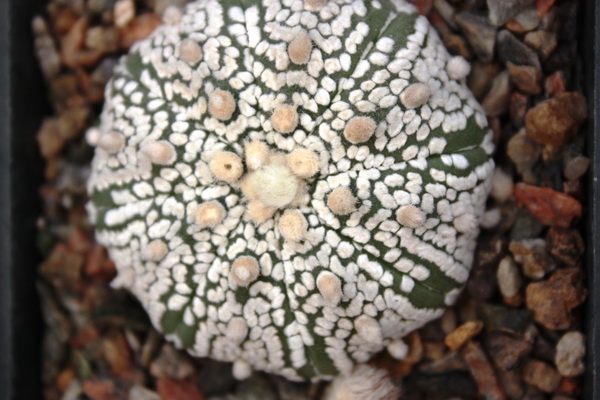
(22, 107)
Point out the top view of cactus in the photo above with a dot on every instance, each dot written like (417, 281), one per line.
(291, 185)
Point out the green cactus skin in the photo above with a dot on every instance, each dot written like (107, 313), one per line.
(297, 263)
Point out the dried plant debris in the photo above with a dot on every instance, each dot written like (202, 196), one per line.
(516, 330)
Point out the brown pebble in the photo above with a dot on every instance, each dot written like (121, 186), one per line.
(49, 138)
(544, 42)
(139, 28)
(463, 334)
(170, 363)
(551, 300)
(99, 389)
(523, 152)
(541, 375)
(495, 102)
(506, 350)
(527, 78)
(566, 245)
(533, 257)
(72, 52)
(555, 84)
(517, 108)
(173, 389)
(555, 121)
(482, 371)
(548, 206)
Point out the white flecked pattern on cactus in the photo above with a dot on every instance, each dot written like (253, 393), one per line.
(351, 274)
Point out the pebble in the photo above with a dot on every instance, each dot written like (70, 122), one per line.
(525, 77)
(542, 41)
(452, 361)
(63, 267)
(73, 52)
(463, 334)
(524, 153)
(100, 389)
(103, 39)
(480, 34)
(446, 11)
(139, 28)
(576, 166)
(423, 6)
(556, 121)
(525, 226)
(504, 319)
(552, 300)
(45, 49)
(481, 77)
(447, 385)
(216, 377)
(510, 48)
(173, 389)
(570, 353)
(555, 84)
(124, 12)
(49, 139)
(541, 375)
(518, 105)
(525, 21)
(495, 103)
(506, 350)
(547, 205)
(566, 245)
(533, 257)
(171, 363)
(543, 6)
(501, 11)
(511, 383)
(257, 387)
(138, 392)
(509, 281)
(482, 371)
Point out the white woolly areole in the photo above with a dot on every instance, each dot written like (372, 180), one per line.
(257, 154)
(292, 225)
(156, 250)
(330, 287)
(244, 270)
(190, 51)
(275, 185)
(415, 95)
(362, 383)
(161, 152)
(237, 329)
(112, 142)
(210, 214)
(410, 216)
(458, 68)
(368, 329)
(465, 223)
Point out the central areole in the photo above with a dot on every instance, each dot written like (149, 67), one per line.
(275, 185)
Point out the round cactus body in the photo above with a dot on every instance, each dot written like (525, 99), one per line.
(291, 185)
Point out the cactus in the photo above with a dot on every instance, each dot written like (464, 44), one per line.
(291, 185)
